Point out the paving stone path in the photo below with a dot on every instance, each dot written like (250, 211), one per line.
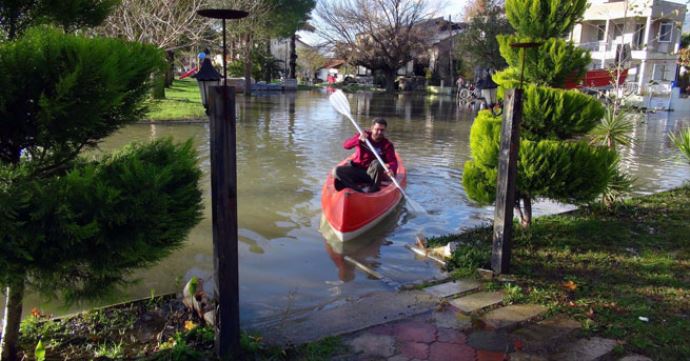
(469, 324)
(451, 321)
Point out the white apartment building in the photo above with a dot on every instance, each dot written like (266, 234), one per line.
(648, 31)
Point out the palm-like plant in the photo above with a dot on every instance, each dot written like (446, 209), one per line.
(614, 129)
(682, 141)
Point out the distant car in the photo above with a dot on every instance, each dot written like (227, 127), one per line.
(349, 79)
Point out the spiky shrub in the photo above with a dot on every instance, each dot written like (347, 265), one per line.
(682, 142)
(554, 162)
(74, 227)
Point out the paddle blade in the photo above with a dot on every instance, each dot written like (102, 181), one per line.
(340, 103)
(415, 208)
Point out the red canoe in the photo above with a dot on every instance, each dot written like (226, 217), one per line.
(351, 213)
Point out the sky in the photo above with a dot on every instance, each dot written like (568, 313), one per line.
(447, 7)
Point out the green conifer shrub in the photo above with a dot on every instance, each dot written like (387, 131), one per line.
(554, 160)
(70, 226)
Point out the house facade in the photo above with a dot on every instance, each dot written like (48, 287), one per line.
(280, 50)
(437, 55)
(644, 34)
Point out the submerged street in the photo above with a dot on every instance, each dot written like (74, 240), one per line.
(286, 145)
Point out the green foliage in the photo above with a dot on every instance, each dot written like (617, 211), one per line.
(18, 15)
(288, 16)
(104, 219)
(571, 172)
(619, 185)
(614, 129)
(60, 93)
(566, 171)
(558, 114)
(624, 263)
(109, 350)
(477, 44)
(261, 63)
(550, 64)
(553, 160)
(544, 18)
(513, 294)
(685, 40)
(178, 350)
(40, 351)
(682, 141)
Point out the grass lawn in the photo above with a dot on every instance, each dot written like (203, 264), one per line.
(182, 102)
(606, 269)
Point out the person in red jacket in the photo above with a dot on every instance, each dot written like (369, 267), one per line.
(363, 172)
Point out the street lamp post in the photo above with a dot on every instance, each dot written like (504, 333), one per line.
(507, 172)
(207, 77)
(220, 102)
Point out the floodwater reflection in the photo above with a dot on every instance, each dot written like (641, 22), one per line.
(287, 143)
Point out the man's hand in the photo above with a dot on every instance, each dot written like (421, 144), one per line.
(389, 172)
(363, 137)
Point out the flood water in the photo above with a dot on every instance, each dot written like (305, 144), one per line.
(287, 143)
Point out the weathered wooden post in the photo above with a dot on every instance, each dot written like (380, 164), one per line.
(221, 109)
(507, 173)
(505, 184)
(224, 213)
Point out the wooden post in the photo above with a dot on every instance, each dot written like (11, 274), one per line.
(224, 203)
(505, 184)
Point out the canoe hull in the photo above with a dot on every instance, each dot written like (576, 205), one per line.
(350, 213)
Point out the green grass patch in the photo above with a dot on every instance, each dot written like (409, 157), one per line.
(182, 102)
(606, 269)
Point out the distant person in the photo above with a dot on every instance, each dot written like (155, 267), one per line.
(460, 83)
(487, 86)
(363, 172)
(202, 55)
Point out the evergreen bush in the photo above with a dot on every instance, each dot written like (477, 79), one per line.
(71, 226)
(554, 161)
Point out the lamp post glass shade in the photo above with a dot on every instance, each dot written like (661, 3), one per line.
(206, 78)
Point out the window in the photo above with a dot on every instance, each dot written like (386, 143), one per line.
(601, 30)
(658, 72)
(617, 30)
(638, 38)
(665, 32)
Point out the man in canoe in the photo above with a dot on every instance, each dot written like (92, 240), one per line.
(364, 173)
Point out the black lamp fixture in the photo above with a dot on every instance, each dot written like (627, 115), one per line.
(207, 77)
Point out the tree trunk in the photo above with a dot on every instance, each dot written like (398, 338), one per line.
(526, 212)
(390, 80)
(158, 91)
(170, 70)
(248, 65)
(13, 316)
(267, 69)
(293, 56)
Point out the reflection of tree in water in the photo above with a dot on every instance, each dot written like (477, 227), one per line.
(408, 107)
(270, 176)
(651, 138)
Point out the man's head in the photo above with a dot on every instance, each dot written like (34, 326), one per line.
(378, 129)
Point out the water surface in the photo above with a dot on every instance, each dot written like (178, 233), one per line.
(286, 144)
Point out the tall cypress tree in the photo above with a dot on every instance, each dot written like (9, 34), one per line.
(553, 161)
